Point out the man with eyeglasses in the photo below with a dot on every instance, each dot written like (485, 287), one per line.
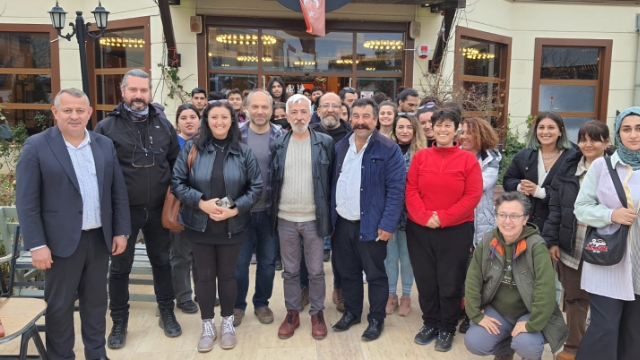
(330, 108)
(408, 101)
(259, 133)
(348, 95)
(147, 147)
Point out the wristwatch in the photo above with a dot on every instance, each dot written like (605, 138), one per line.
(125, 236)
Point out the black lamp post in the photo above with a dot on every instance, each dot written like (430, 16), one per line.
(80, 30)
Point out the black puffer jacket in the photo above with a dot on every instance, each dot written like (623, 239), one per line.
(321, 162)
(560, 227)
(146, 173)
(242, 179)
(525, 166)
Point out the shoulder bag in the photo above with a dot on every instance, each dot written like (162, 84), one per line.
(607, 250)
(171, 207)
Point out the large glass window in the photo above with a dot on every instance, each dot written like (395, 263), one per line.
(380, 52)
(297, 51)
(117, 52)
(245, 58)
(480, 78)
(25, 79)
(568, 79)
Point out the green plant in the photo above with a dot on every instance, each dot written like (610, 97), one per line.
(512, 145)
(172, 78)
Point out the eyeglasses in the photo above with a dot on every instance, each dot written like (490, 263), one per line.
(223, 101)
(513, 217)
(146, 156)
(333, 106)
(406, 114)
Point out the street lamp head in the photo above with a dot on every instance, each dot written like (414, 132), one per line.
(101, 15)
(58, 16)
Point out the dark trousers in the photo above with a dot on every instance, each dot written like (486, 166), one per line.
(439, 258)
(216, 262)
(158, 243)
(354, 256)
(83, 274)
(304, 274)
(182, 268)
(576, 305)
(613, 332)
(259, 234)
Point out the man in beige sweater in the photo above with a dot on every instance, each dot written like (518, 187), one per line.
(301, 165)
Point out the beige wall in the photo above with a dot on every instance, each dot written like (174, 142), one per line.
(524, 22)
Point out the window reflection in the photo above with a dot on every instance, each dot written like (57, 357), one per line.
(226, 82)
(570, 63)
(236, 48)
(480, 58)
(380, 52)
(299, 51)
(25, 50)
(120, 49)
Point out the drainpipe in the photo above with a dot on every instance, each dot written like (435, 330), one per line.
(636, 95)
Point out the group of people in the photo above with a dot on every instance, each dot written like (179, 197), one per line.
(387, 191)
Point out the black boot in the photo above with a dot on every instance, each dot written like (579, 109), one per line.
(169, 323)
(465, 325)
(118, 336)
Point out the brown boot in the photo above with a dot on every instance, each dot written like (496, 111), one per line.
(405, 306)
(505, 357)
(339, 299)
(392, 304)
(564, 355)
(289, 325)
(318, 326)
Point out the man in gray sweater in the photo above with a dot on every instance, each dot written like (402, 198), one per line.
(301, 173)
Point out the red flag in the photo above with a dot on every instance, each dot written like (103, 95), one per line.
(314, 16)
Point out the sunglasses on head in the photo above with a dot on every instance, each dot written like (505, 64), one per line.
(223, 101)
(405, 114)
(348, 88)
(428, 105)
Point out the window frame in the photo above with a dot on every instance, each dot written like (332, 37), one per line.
(54, 71)
(134, 23)
(503, 80)
(602, 84)
(289, 24)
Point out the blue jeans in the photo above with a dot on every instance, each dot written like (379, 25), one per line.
(259, 234)
(397, 251)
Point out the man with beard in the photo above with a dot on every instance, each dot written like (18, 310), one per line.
(365, 217)
(259, 134)
(408, 101)
(199, 99)
(147, 147)
(329, 108)
(300, 169)
(277, 89)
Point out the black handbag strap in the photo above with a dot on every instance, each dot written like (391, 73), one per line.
(616, 181)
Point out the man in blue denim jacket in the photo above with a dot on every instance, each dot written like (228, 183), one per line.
(366, 202)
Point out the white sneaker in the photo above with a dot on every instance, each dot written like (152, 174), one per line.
(228, 337)
(208, 335)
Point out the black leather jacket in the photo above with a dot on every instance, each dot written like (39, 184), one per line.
(322, 161)
(242, 179)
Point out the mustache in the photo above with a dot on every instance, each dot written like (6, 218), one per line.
(362, 126)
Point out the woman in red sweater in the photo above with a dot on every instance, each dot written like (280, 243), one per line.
(444, 186)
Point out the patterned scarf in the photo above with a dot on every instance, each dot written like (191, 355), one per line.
(629, 157)
(140, 115)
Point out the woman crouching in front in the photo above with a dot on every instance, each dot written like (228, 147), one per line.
(510, 289)
(223, 168)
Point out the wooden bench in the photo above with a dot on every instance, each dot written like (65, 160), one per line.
(19, 316)
(8, 225)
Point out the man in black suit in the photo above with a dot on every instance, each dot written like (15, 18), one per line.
(74, 212)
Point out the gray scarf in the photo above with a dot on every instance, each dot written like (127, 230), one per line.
(139, 115)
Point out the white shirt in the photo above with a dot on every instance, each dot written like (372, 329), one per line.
(85, 169)
(348, 188)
